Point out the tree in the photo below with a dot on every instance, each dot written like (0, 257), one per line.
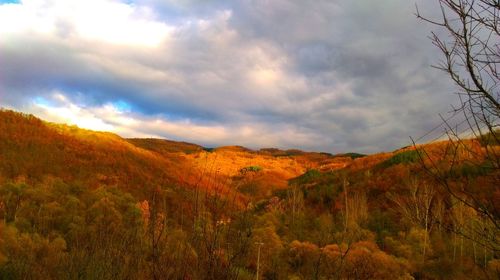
(11, 196)
(417, 206)
(471, 57)
(468, 39)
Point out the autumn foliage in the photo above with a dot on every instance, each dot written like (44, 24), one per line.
(91, 205)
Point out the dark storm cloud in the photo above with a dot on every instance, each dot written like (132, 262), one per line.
(324, 75)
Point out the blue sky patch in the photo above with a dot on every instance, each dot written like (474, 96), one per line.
(9, 1)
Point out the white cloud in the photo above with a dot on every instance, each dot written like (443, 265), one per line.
(93, 20)
(110, 117)
(306, 74)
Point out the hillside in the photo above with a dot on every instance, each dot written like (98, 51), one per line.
(256, 173)
(165, 147)
(35, 149)
(76, 203)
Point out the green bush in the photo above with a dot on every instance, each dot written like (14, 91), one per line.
(401, 158)
(471, 171)
(311, 175)
(490, 139)
(253, 168)
(354, 155)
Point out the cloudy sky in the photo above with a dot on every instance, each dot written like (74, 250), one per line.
(328, 75)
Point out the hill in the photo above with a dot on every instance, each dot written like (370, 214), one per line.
(76, 203)
(165, 147)
(35, 149)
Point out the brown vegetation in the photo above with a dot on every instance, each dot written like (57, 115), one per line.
(81, 204)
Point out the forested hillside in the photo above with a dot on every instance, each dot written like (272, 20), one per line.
(79, 204)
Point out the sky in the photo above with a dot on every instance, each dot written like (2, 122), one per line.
(323, 75)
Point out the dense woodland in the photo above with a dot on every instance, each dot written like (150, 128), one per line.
(78, 204)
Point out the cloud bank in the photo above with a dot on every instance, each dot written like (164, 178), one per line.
(334, 76)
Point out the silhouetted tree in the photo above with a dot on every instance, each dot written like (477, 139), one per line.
(468, 39)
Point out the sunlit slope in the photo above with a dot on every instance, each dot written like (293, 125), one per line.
(467, 168)
(35, 149)
(32, 148)
(255, 173)
(165, 147)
